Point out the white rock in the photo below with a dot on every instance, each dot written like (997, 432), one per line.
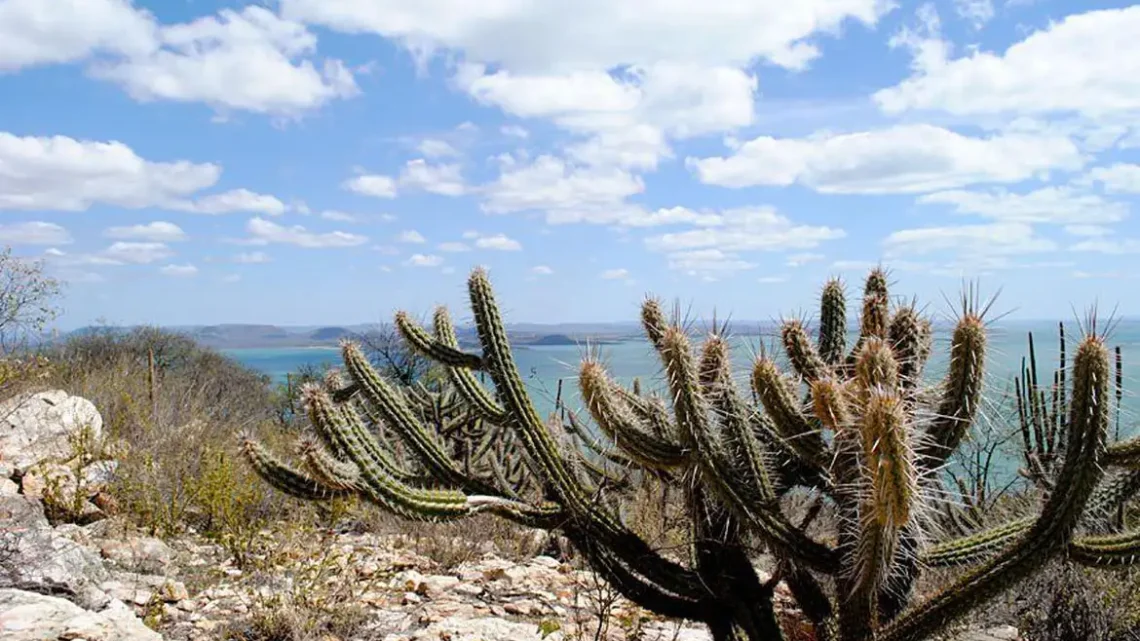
(27, 616)
(36, 427)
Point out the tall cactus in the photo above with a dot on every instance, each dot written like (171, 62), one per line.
(860, 429)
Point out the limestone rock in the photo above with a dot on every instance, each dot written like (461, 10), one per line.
(41, 426)
(27, 616)
(38, 559)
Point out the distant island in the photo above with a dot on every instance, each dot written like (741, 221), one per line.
(259, 336)
(254, 336)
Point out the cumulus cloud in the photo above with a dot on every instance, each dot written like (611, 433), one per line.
(139, 253)
(233, 201)
(263, 232)
(598, 35)
(445, 180)
(62, 173)
(899, 159)
(34, 33)
(158, 231)
(424, 260)
(1038, 75)
(990, 239)
(179, 271)
(541, 270)
(1057, 205)
(615, 274)
(411, 236)
(248, 60)
(34, 233)
(375, 185)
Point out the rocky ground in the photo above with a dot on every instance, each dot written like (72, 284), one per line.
(101, 580)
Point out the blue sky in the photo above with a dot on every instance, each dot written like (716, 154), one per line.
(329, 161)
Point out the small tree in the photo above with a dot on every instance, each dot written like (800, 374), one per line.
(27, 301)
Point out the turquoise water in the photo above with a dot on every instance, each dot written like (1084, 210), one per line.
(543, 366)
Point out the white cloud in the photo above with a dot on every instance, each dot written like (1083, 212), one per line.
(1084, 63)
(707, 262)
(563, 38)
(625, 120)
(615, 274)
(1058, 205)
(231, 278)
(1116, 178)
(435, 148)
(549, 183)
(514, 131)
(746, 229)
(900, 159)
(61, 173)
(632, 216)
(1114, 246)
(976, 12)
(498, 242)
(1087, 230)
(541, 270)
(179, 271)
(374, 185)
(139, 253)
(799, 260)
(338, 216)
(453, 247)
(266, 232)
(35, 32)
(424, 260)
(993, 239)
(233, 201)
(411, 236)
(445, 180)
(769, 280)
(249, 61)
(34, 233)
(251, 257)
(158, 231)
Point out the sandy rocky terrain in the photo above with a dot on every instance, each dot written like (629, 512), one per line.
(105, 581)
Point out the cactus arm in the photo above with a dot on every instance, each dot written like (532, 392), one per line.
(423, 342)
(976, 547)
(543, 451)
(962, 392)
(462, 378)
(1119, 550)
(1124, 453)
(283, 477)
(906, 336)
(327, 470)
(387, 403)
(782, 406)
(803, 355)
(651, 411)
(832, 322)
(1108, 499)
(693, 418)
(1050, 534)
(620, 424)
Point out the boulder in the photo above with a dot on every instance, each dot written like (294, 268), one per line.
(27, 616)
(36, 558)
(41, 426)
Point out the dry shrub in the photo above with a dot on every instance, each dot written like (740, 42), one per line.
(175, 408)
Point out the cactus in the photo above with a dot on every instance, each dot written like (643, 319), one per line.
(860, 430)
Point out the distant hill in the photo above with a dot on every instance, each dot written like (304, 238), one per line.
(329, 334)
(239, 335)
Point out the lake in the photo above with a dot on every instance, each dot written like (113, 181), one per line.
(543, 366)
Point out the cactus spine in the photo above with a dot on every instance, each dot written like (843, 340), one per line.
(859, 428)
